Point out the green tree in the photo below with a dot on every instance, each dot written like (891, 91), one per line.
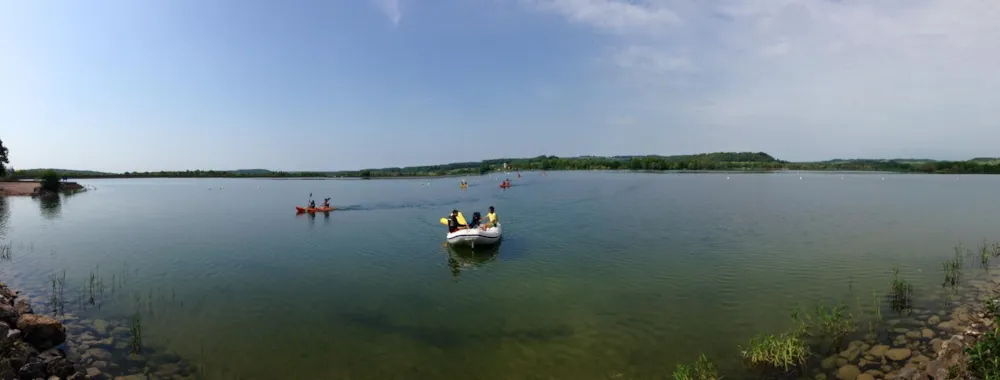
(3, 158)
(50, 180)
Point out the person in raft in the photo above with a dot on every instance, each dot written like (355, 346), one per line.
(453, 224)
(476, 220)
(492, 215)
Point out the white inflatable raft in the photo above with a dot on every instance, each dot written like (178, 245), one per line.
(476, 236)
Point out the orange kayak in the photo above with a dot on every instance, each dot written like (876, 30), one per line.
(317, 209)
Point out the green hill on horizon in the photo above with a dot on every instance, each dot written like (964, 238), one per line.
(738, 161)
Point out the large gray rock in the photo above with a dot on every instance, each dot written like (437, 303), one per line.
(41, 331)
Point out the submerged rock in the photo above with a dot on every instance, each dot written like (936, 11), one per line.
(898, 354)
(100, 326)
(913, 334)
(920, 361)
(829, 362)
(137, 376)
(933, 320)
(878, 350)
(97, 354)
(927, 333)
(848, 372)
(852, 352)
(865, 376)
(94, 373)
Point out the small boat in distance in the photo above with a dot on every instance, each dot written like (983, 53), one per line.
(313, 209)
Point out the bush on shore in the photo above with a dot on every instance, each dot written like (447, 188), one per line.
(51, 180)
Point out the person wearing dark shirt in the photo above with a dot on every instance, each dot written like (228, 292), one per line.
(453, 224)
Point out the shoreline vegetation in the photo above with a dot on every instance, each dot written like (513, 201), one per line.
(951, 333)
(705, 162)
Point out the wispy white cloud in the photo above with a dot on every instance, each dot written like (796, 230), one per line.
(833, 71)
(612, 15)
(392, 9)
(651, 60)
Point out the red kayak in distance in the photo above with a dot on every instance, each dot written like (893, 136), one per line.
(316, 209)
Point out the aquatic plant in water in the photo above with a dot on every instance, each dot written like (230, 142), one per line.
(953, 268)
(6, 251)
(776, 351)
(985, 252)
(56, 301)
(702, 369)
(875, 320)
(900, 298)
(135, 335)
(833, 322)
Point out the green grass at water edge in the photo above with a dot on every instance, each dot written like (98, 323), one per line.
(784, 351)
(702, 369)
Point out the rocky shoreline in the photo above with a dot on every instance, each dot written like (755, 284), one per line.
(924, 345)
(35, 346)
(29, 343)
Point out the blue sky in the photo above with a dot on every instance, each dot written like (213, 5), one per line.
(325, 85)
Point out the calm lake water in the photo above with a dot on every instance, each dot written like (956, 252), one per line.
(598, 273)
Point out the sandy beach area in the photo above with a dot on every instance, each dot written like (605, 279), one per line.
(17, 188)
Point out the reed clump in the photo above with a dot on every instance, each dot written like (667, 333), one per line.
(901, 294)
(56, 300)
(779, 352)
(702, 369)
(834, 322)
(6, 251)
(953, 268)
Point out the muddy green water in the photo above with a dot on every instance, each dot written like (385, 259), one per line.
(598, 273)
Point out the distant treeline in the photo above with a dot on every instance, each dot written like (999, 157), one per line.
(742, 161)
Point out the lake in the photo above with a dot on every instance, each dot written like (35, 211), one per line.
(599, 275)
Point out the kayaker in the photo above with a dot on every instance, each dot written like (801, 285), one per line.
(453, 224)
(492, 215)
(326, 203)
(312, 203)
